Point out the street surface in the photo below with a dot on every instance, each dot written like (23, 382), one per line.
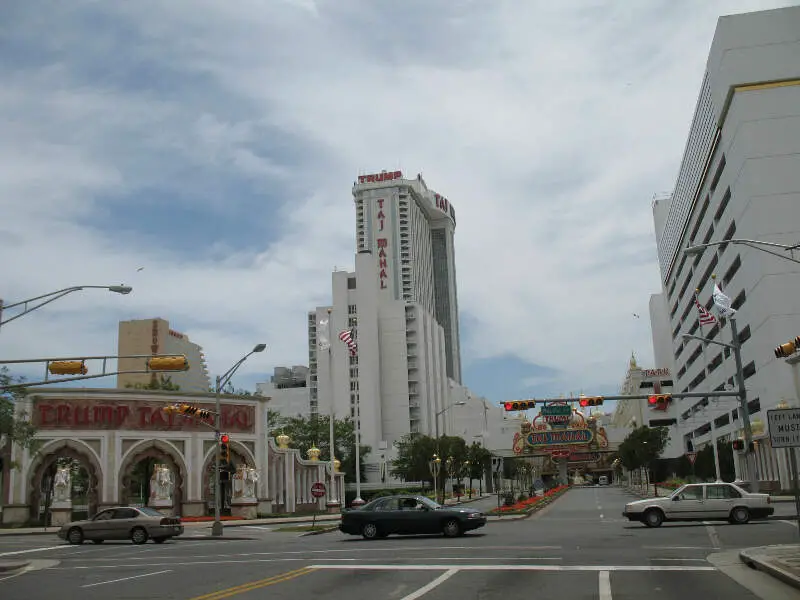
(577, 548)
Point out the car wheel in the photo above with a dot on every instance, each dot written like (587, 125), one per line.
(98, 541)
(75, 536)
(160, 540)
(138, 535)
(653, 518)
(369, 531)
(451, 528)
(740, 515)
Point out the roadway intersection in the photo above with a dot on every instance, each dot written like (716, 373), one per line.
(579, 547)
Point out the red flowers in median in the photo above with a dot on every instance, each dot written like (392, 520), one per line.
(530, 503)
(204, 519)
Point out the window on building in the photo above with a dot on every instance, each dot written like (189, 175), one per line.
(351, 283)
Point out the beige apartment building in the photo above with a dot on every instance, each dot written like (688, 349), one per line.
(154, 336)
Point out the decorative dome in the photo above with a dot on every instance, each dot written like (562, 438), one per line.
(283, 441)
(632, 362)
(337, 465)
(783, 404)
(525, 427)
(313, 453)
(577, 421)
(757, 426)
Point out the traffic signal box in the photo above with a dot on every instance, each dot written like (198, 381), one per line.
(659, 401)
(67, 367)
(519, 405)
(168, 363)
(590, 401)
(738, 445)
(788, 348)
(225, 448)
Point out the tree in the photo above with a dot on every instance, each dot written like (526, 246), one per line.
(14, 425)
(163, 382)
(642, 447)
(479, 461)
(307, 432)
(415, 451)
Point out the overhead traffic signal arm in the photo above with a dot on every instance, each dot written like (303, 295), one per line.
(76, 365)
(513, 405)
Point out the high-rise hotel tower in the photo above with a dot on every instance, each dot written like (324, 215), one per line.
(402, 305)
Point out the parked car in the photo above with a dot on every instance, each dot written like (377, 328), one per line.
(409, 515)
(701, 502)
(123, 523)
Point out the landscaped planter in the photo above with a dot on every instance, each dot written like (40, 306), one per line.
(531, 504)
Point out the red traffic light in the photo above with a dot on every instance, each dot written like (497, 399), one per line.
(584, 403)
(652, 400)
(224, 438)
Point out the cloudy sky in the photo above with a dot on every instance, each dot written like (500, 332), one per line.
(215, 143)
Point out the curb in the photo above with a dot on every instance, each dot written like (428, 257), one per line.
(321, 531)
(12, 566)
(529, 514)
(769, 568)
(217, 538)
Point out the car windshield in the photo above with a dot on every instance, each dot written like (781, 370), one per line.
(150, 512)
(678, 491)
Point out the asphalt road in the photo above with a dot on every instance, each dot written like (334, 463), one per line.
(577, 548)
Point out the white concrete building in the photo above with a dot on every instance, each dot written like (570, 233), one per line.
(630, 414)
(739, 179)
(288, 391)
(478, 420)
(401, 305)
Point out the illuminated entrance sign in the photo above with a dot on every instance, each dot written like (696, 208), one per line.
(558, 438)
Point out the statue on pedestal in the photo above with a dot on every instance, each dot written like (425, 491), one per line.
(62, 485)
(161, 485)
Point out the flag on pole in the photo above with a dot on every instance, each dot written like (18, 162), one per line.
(722, 302)
(324, 334)
(347, 337)
(705, 317)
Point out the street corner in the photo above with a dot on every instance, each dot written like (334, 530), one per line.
(780, 561)
(10, 567)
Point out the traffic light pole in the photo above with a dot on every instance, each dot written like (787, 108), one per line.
(216, 528)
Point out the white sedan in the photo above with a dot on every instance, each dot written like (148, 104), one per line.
(701, 502)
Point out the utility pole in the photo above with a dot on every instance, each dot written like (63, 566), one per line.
(743, 408)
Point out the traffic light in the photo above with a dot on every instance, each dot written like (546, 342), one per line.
(585, 401)
(67, 367)
(659, 401)
(168, 363)
(189, 410)
(225, 448)
(788, 348)
(519, 405)
(738, 445)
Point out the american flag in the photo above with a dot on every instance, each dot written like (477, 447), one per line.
(706, 318)
(347, 337)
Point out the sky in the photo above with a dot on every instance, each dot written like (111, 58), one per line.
(203, 152)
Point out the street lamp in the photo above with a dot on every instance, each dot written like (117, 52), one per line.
(757, 244)
(444, 410)
(222, 381)
(435, 465)
(736, 347)
(53, 296)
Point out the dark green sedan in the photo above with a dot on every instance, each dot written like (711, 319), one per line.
(409, 515)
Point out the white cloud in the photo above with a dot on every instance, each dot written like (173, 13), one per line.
(548, 125)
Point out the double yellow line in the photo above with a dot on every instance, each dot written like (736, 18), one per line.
(254, 585)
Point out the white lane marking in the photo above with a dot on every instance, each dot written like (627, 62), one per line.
(334, 551)
(35, 550)
(192, 563)
(792, 523)
(712, 535)
(257, 527)
(604, 578)
(594, 568)
(682, 559)
(88, 585)
(706, 548)
(433, 584)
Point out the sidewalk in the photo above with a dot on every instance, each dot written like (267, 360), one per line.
(226, 524)
(782, 562)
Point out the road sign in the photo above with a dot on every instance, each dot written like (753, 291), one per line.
(692, 456)
(784, 427)
(318, 489)
(556, 410)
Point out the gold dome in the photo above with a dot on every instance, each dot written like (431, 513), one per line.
(313, 453)
(783, 404)
(337, 465)
(283, 441)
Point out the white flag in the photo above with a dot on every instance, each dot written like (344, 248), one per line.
(324, 334)
(722, 302)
